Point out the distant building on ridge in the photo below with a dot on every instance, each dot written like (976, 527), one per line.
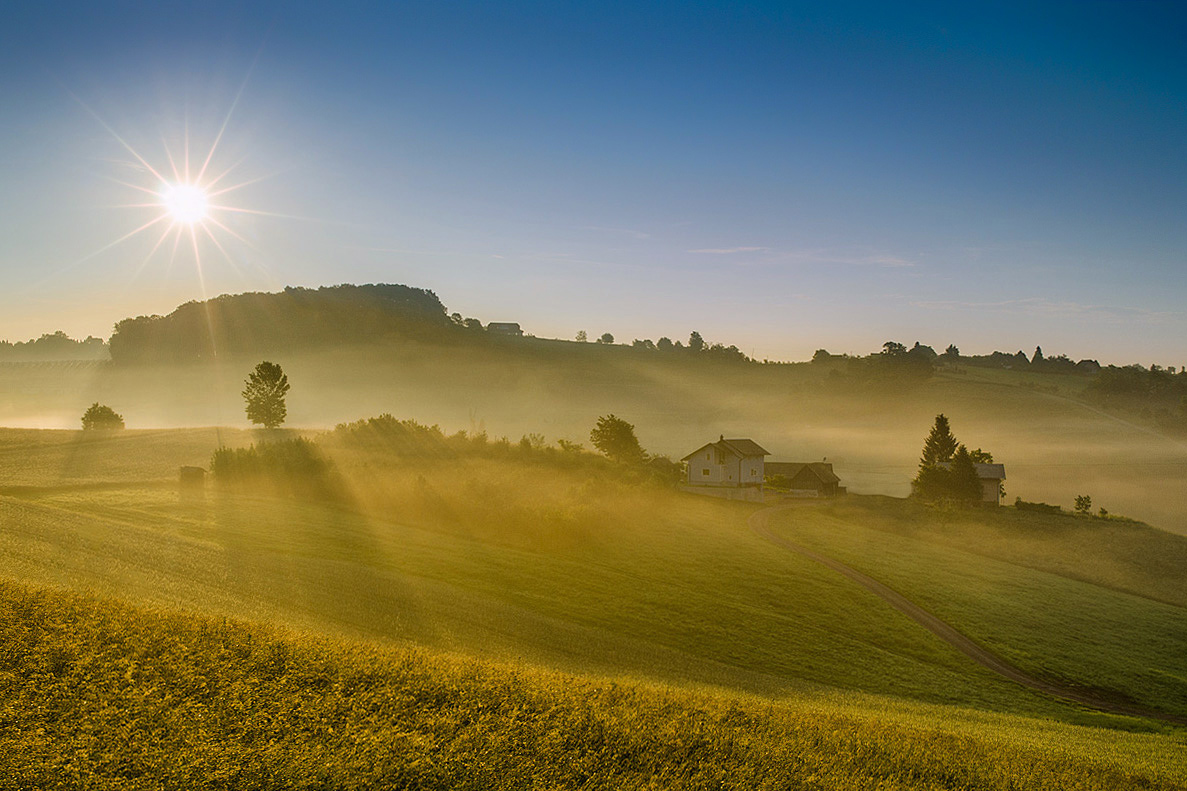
(505, 328)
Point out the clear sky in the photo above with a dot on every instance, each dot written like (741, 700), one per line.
(781, 176)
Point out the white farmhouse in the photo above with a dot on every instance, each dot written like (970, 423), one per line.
(727, 463)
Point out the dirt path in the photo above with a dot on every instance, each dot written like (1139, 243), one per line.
(759, 523)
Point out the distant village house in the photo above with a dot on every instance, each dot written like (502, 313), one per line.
(505, 328)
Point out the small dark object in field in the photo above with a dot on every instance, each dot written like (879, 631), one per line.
(192, 483)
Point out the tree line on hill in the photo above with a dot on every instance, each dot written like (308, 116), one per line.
(298, 319)
(1156, 393)
(53, 346)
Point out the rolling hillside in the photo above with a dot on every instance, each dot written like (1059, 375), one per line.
(508, 569)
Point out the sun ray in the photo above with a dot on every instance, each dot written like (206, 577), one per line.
(169, 156)
(222, 250)
(114, 134)
(198, 261)
(241, 184)
(125, 237)
(173, 253)
(151, 252)
(238, 210)
(234, 103)
(232, 233)
(186, 151)
(133, 186)
(224, 174)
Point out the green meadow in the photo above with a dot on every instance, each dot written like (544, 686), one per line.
(557, 612)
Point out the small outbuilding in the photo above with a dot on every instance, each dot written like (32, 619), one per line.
(804, 479)
(991, 476)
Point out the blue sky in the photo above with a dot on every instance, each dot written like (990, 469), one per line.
(783, 177)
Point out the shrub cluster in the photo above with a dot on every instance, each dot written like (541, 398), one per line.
(294, 467)
(1042, 508)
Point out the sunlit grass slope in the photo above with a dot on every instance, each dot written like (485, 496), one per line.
(100, 695)
(585, 572)
(1098, 603)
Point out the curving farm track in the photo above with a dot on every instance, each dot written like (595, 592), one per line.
(760, 524)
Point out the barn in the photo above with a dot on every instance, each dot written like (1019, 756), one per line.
(804, 479)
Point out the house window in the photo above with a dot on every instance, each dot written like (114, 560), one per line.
(705, 471)
(753, 471)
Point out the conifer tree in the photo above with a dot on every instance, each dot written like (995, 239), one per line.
(940, 444)
(964, 483)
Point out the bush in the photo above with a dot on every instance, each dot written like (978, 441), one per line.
(100, 417)
(295, 467)
(1042, 508)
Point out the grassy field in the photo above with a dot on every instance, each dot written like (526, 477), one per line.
(1054, 445)
(99, 695)
(681, 625)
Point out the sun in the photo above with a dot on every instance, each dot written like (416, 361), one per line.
(189, 205)
(185, 203)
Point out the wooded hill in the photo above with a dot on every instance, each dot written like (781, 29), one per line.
(295, 319)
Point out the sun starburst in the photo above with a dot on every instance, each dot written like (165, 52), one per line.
(190, 207)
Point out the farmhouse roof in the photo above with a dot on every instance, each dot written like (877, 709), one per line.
(738, 447)
(986, 472)
(991, 471)
(745, 447)
(822, 470)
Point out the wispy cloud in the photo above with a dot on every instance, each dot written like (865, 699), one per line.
(623, 231)
(826, 256)
(729, 250)
(1042, 306)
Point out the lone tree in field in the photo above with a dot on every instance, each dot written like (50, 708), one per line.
(616, 438)
(264, 392)
(100, 417)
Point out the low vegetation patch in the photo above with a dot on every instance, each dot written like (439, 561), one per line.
(294, 467)
(1042, 508)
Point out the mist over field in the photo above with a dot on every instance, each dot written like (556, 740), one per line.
(1056, 443)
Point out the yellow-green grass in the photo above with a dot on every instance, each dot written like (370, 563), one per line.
(1097, 603)
(1054, 445)
(98, 695)
(578, 571)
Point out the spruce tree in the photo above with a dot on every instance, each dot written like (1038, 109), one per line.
(940, 444)
(964, 483)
